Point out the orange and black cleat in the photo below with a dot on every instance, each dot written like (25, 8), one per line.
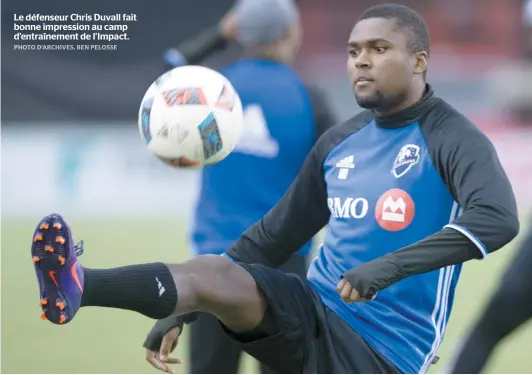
(59, 274)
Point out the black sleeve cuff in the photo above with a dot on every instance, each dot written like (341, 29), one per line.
(371, 277)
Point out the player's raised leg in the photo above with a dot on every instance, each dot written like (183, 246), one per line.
(155, 290)
(263, 308)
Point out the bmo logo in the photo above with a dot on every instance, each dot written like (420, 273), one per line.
(395, 210)
(348, 208)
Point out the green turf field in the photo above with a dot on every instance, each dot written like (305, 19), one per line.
(110, 341)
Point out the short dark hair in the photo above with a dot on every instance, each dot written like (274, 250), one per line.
(407, 19)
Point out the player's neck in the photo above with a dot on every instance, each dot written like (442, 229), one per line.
(409, 113)
(412, 98)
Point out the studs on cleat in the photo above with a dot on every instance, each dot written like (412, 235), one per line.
(43, 302)
(57, 225)
(61, 260)
(60, 304)
(38, 237)
(44, 226)
(43, 316)
(62, 319)
(35, 260)
(60, 240)
(49, 248)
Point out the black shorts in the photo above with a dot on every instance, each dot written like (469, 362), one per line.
(212, 351)
(300, 335)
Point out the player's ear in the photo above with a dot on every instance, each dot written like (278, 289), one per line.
(421, 62)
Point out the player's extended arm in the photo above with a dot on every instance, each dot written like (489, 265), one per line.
(294, 220)
(211, 40)
(196, 49)
(469, 166)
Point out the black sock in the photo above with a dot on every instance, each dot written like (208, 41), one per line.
(148, 289)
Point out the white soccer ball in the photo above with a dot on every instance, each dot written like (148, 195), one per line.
(191, 116)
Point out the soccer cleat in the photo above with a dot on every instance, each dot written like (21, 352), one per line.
(58, 272)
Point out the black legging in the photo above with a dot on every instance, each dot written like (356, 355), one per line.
(508, 308)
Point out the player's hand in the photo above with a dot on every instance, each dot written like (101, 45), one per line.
(227, 25)
(161, 359)
(350, 294)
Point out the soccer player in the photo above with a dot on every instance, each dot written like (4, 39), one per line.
(409, 190)
(507, 310)
(283, 120)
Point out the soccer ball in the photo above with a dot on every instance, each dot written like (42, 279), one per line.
(191, 116)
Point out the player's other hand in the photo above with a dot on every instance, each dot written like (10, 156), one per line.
(350, 294)
(161, 359)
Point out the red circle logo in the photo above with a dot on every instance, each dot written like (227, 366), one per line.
(395, 210)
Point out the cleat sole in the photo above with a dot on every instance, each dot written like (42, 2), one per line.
(49, 257)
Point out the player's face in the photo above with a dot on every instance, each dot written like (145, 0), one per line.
(380, 66)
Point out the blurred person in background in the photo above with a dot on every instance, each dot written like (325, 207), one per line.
(283, 120)
(507, 310)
